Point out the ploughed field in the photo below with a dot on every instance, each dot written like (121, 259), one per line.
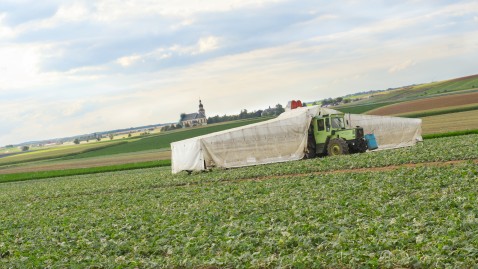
(410, 207)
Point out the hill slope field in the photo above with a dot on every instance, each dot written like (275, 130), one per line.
(439, 102)
(441, 88)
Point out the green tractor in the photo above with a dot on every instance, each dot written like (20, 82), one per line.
(329, 136)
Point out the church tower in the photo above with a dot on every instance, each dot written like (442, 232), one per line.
(202, 112)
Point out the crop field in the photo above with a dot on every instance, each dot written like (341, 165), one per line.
(450, 122)
(377, 209)
(426, 104)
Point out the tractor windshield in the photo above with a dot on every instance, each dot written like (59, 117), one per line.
(338, 123)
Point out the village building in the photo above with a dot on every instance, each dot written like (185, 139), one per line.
(194, 119)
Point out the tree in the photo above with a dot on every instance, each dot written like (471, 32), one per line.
(279, 109)
(243, 114)
(182, 117)
(24, 148)
(76, 141)
(129, 135)
(111, 136)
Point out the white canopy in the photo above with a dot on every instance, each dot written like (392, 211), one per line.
(281, 139)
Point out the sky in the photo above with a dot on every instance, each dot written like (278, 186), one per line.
(77, 67)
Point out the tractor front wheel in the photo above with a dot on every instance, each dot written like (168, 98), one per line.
(337, 146)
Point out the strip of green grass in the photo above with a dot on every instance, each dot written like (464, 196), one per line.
(439, 112)
(450, 134)
(81, 171)
(164, 140)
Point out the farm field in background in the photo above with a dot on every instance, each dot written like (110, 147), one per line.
(467, 84)
(56, 152)
(440, 111)
(132, 150)
(450, 122)
(376, 100)
(58, 164)
(317, 212)
(427, 104)
(164, 140)
(359, 109)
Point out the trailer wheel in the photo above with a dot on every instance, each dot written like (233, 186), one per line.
(337, 146)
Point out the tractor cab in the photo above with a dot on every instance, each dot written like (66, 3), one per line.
(328, 135)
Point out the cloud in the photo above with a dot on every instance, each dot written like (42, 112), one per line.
(5, 31)
(128, 60)
(204, 45)
(402, 66)
(110, 10)
(207, 44)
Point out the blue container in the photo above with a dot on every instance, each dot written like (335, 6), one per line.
(371, 141)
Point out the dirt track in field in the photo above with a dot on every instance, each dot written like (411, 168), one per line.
(427, 104)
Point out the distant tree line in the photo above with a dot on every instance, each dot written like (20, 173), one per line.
(244, 114)
(171, 127)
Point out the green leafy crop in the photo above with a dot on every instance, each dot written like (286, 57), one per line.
(147, 218)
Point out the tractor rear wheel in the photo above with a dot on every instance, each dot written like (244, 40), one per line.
(337, 146)
(310, 148)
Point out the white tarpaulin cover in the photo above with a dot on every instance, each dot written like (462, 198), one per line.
(281, 139)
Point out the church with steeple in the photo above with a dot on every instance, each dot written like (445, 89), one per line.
(194, 119)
